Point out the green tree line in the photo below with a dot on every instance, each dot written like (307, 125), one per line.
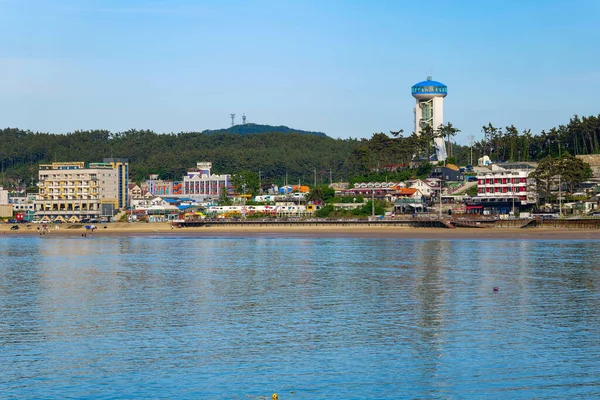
(579, 136)
(292, 156)
(276, 156)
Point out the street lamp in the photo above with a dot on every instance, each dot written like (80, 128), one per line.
(440, 212)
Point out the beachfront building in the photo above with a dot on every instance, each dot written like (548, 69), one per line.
(23, 205)
(386, 191)
(502, 191)
(200, 183)
(135, 191)
(503, 184)
(409, 200)
(158, 187)
(3, 196)
(158, 208)
(429, 111)
(74, 192)
(6, 209)
(427, 188)
(136, 194)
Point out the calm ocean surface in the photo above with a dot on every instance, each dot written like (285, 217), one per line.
(306, 318)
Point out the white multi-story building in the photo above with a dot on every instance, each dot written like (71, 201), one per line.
(509, 184)
(73, 192)
(199, 182)
(426, 188)
(3, 196)
(22, 203)
(429, 110)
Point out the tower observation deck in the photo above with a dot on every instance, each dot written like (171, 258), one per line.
(429, 110)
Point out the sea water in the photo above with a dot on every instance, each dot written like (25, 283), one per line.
(306, 318)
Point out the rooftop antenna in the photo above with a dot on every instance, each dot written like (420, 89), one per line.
(232, 119)
(244, 119)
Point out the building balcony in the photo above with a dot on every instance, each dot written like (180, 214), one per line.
(499, 194)
(502, 185)
(70, 212)
(408, 200)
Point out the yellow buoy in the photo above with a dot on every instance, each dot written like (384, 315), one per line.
(274, 397)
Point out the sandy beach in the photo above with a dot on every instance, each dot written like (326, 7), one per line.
(330, 231)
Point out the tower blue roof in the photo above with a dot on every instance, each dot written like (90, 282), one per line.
(429, 89)
(428, 83)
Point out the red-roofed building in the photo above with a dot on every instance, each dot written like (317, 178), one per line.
(409, 192)
(409, 200)
(426, 188)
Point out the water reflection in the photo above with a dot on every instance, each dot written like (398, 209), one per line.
(322, 317)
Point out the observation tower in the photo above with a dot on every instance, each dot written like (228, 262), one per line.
(429, 110)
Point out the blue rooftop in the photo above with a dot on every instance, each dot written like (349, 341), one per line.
(429, 89)
(429, 83)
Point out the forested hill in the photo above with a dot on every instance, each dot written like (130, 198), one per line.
(282, 152)
(276, 155)
(249, 129)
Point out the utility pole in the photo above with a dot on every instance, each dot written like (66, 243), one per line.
(259, 182)
(315, 177)
(330, 176)
(559, 199)
(373, 204)
(471, 137)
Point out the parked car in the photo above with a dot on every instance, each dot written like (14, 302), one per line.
(472, 179)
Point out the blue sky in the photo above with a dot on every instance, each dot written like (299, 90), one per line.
(341, 67)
